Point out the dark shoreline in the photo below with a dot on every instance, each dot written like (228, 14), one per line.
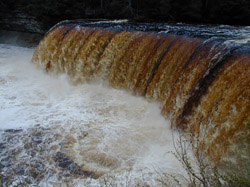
(24, 39)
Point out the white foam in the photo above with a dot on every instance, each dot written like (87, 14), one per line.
(112, 21)
(125, 127)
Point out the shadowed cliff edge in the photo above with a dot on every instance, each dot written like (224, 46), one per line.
(203, 85)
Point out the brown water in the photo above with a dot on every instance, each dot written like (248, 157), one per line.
(203, 85)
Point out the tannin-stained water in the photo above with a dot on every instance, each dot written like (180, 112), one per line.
(54, 133)
(202, 85)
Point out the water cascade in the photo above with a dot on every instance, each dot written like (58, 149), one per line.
(203, 85)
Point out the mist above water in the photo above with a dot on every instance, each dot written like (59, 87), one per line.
(102, 130)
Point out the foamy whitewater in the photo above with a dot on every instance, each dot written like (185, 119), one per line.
(107, 134)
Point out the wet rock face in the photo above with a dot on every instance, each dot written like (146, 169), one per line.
(24, 39)
(19, 21)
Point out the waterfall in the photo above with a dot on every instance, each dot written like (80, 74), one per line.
(203, 85)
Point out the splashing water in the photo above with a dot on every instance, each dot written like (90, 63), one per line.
(202, 85)
(53, 132)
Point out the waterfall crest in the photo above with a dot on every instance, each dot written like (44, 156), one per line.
(203, 85)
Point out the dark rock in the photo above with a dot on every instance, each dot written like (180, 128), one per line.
(20, 21)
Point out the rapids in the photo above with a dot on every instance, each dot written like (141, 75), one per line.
(53, 133)
(202, 85)
(105, 114)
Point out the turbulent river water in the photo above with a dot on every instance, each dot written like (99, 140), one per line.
(113, 134)
(53, 133)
